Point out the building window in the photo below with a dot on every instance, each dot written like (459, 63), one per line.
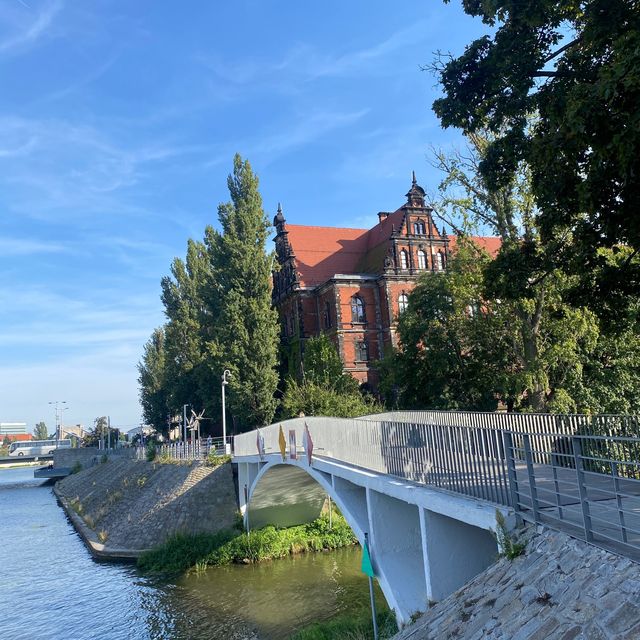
(439, 261)
(327, 315)
(403, 302)
(418, 228)
(422, 259)
(404, 259)
(362, 353)
(357, 309)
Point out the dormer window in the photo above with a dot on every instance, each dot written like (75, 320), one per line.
(404, 259)
(419, 228)
(357, 309)
(422, 259)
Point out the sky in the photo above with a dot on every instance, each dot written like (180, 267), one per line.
(118, 125)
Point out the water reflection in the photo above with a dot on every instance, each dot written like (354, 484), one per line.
(51, 588)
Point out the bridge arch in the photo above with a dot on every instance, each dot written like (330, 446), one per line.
(423, 546)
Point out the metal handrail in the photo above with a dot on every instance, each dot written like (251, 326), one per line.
(509, 467)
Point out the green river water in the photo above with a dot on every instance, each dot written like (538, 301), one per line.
(51, 588)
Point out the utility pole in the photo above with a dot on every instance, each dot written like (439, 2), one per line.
(108, 432)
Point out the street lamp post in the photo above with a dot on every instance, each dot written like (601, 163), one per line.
(225, 382)
(56, 403)
(184, 423)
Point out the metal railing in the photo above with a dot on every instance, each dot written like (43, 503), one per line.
(587, 485)
(192, 450)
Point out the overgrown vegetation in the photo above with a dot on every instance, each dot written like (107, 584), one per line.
(215, 461)
(509, 547)
(77, 467)
(182, 552)
(325, 390)
(357, 626)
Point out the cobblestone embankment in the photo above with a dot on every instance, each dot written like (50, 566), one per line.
(123, 507)
(560, 589)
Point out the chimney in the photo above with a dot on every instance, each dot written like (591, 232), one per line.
(382, 216)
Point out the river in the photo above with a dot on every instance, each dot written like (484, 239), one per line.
(51, 588)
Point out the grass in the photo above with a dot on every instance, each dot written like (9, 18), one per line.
(355, 626)
(184, 552)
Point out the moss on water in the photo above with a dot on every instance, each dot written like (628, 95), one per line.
(183, 552)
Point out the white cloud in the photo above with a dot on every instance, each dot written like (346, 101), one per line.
(26, 36)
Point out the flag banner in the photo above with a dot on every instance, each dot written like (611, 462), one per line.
(293, 449)
(367, 567)
(307, 443)
(260, 444)
(283, 444)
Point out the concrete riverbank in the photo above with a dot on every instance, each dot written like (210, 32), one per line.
(560, 589)
(122, 508)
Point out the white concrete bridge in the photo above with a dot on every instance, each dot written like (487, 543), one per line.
(425, 486)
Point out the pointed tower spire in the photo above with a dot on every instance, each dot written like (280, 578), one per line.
(278, 221)
(415, 197)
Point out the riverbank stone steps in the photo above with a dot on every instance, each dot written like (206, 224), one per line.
(125, 507)
(560, 589)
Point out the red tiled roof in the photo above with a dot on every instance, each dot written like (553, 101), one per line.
(491, 244)
(321, 252)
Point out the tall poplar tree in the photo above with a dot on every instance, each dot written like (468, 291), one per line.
(244, 334)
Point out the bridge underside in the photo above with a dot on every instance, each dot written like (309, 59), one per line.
(425, 543)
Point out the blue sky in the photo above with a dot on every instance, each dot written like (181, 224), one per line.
(118, 125)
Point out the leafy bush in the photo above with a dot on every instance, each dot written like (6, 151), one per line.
(226, 547)
(150, 451)
(76, 467)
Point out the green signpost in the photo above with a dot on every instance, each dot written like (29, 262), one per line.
(367, 569)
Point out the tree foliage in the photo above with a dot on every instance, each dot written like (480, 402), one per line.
(325, 390)
(507, 329)
(218, 307)
(40, 431)
(575, 67)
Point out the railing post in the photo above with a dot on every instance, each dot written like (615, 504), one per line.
(526, 441)
(582, 489)
(616, 487)
(511, 469)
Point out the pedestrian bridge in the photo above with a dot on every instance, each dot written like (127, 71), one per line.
(425, 486)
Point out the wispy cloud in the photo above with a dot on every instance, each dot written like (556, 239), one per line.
(28, 33)
(26, 247)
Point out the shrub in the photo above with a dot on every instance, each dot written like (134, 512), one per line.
(150, 451)
(76, 467)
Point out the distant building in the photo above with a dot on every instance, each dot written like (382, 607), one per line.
(15, 431)
(351, 284)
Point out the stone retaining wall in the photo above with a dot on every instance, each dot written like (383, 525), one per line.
(129, 506)
(87, 456)
(561, 589)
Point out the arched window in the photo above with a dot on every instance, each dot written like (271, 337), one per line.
(418, 228)
(357, 309)
(439, 261)
(422, 259)
(404, 259)
(403, 302)
(362, 352)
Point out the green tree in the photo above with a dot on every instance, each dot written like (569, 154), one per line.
(186, 370)
(504, 329)
(323, 367)
(152, 378)
(576, 67)
(243, 336)
(99, 431)
(325, 389)
(40, 432)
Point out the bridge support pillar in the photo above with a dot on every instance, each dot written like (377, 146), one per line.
(396, 541)
(453, 552)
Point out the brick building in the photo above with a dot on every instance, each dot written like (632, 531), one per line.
(352, 283)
